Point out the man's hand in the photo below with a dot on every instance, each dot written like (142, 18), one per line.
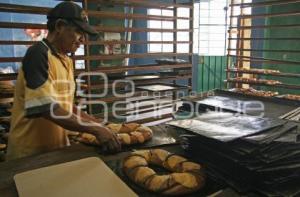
(108, 139)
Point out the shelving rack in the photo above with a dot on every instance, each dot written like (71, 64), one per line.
(243, 50)
(117, 69)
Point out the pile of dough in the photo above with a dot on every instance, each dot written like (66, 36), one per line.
(130, 133)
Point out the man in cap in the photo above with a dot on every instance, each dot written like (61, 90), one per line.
(45, 89)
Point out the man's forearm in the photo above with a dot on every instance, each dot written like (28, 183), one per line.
(86, 116)
(73, 122)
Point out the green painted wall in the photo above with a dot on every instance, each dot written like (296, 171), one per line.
(211, 73)
(283, 45)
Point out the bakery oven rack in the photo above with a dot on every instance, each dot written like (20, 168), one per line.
(243, 58)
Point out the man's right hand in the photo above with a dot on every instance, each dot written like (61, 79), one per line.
(107, 139)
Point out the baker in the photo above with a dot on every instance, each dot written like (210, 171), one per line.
(43, 101)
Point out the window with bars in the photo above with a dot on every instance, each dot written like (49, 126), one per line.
(210, 29)
(166, 36)
(211, 32)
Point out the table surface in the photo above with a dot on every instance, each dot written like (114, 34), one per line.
(77, 151)
(10, 168)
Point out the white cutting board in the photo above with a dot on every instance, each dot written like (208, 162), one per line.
(88, 177)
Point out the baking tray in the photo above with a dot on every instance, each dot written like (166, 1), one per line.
(274, 107)
(222, 103)
(160, 87)
(225, 126)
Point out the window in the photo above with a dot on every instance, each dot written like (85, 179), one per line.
(166, 36)
(212, 18)
(211, 29)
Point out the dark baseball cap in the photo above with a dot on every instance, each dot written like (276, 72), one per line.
(71, 11)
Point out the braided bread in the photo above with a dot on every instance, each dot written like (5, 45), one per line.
(292, 97)
(131, 133)
(2, 146)
(187, 177)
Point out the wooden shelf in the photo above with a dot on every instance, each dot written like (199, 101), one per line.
(138, 111)
(108, 57)
(98, 28)
(142, 3)
(124, 29)
(262, 4)
(143, 82)
(123, 56)
(22, 25)
(154, 67)
(102, 42)
(6, 95)
(138, 93)
(8, 76)
(119, 15)
(5, 7)
(266, 38)
(266, 50)
(99, 42)
(266, 60)
(13, 8)
(271, 74)
(112, 69)
(286, 86)
(284, 14)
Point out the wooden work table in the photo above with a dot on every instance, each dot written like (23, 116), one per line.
(77, 151)
(10, 168)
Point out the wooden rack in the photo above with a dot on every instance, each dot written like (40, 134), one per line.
(242, 53)
(91, 7)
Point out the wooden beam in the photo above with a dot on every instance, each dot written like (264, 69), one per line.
(264, 26)
(123, 56)
(98, 28)
(270, 74)
(5, 7)
(141, 3)
(284, 14)
(123, 29)
(22, 25)
(99, 42)
(145, 82)
(266, 38)
(266, 50)
(266, 59)
(121, 15)
(287, 86)
(265, 3)
(154, 67)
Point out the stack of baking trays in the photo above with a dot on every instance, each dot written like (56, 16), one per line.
(6, 99)
(249, 153)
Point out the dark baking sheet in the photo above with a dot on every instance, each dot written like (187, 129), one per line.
(257, 166)
(225, 126)
(274, 107)
(224, 103)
